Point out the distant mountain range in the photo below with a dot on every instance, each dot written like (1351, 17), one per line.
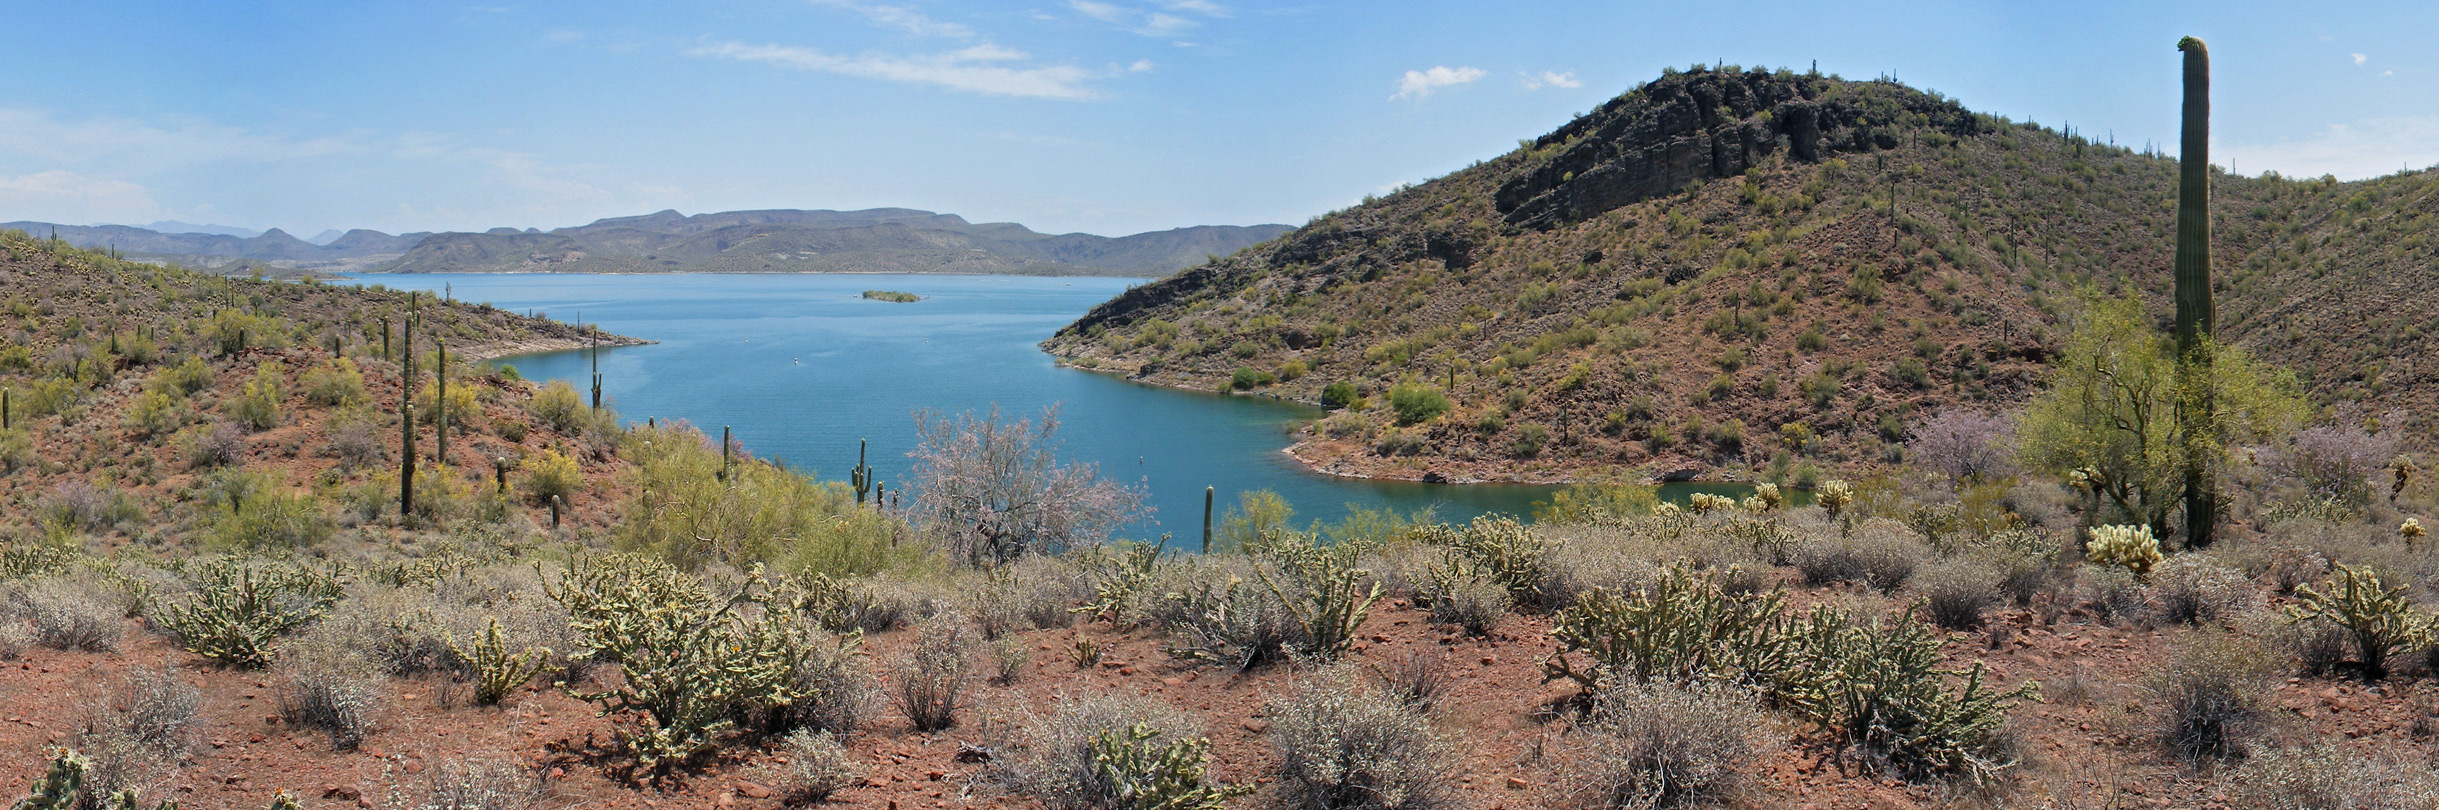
(890, 240)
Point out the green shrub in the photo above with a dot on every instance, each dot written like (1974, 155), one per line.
(1530, 439)
(16, 450)
(257, 404)
(180, 380)
(154, 413)
(1258, 514)
(1338, 395)
(1246, 379)
(465, 412)
(1109, 754)
(549, 474)
(1416, 403)
(270, 521)
(334, 383)
(241, 608)
(762, 513)
(1590, 504)
(556, 406)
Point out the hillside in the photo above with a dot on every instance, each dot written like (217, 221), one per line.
(883, 240)
(1706, 273)
(273, 252)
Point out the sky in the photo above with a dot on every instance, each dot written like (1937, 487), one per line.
(1099, 116)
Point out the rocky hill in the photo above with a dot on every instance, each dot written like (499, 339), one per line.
(883, 240)
(1708, 272)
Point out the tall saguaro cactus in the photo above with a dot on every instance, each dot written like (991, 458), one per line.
(440, 418)
(406, 413)
(2194, 314)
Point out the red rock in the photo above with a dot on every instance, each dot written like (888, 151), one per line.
(1257, 725)
(753, 791)
(412, 767)
(1517, 783)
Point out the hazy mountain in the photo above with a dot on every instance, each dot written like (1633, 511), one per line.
(1708, 270)
(174, 226)
(894, 240)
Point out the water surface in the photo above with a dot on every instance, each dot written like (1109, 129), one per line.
(802, 366)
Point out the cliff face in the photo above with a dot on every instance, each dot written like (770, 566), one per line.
(1762, 269)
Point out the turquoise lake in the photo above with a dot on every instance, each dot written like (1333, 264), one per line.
(801, 367)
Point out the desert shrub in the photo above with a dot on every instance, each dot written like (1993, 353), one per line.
(465, 412)
(1009, 657)
(1338, 395)
(68, 614)
(1667, 746)
(2111, 593)
(180, 380)
(16, 637)
(257, 404)
(1258, 513)
(817, 766)
(556, 406)
(356, 436)
(1345, 744)
(270, 521)
(2328, 775)
(1417, 679)
(339, 695)
(1109, 754)
(1686, 627)
(690, 663)
(1227, 619)
(2192, 589)
(1415, 403)
(137, 730)
(1957, 591)
(510, 428)
(76, 506)
(2336, 462)
(480, 782)
(2209, 695)
(1589, 504)
(2383, 624)
(1505, 551)
(548, 474)
(931, 684)
(16, 450)
(334, 383)
(761, 513)
(995, 490)
(154, 413)
(1962, 444)
(1879, 554)
(210, 445)
(1459, 597)
(240, 609)
(830, 689)
(1326, 597)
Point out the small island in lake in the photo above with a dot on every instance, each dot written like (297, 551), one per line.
(892, 296)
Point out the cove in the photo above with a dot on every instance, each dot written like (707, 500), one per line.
(802, 366)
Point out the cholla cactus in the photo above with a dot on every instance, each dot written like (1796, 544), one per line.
(241, 609)
(1766, 498)
(1686, 627)
(2374, 613)
(1704, 503)
(2130, 547)
(1834, 496)
(57, 789)
(1667, 510)
(1145, 773)
(2411, 530)
(496, 671)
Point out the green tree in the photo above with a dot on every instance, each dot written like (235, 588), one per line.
(1258, 512)
(2110, 417)
(1416, 403)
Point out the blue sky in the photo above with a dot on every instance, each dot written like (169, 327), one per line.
(1104, 116)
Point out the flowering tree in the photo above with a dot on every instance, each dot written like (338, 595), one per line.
(993, 490)
(1964, 444)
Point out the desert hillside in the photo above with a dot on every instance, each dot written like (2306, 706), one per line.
(1707, 272)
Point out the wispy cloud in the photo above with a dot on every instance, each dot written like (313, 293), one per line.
(1420, 83)
(72, 198)
(902, 18)
(2359, 59)
(1549, 78)
(2368, 148)
(1145, 21)
(982, 68)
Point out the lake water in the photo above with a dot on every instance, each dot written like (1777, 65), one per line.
(801, 367)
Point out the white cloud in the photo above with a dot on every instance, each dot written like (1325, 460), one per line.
(1549, 78)
(980, 68)
(562, 35)
(1197, 6)
(902, 18)
(1420, 83)
(2359, 59)
(69, 197)
(1137, 20)
(1140, 66)
(2367, 148)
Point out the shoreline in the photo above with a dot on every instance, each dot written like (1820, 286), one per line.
(545, 345)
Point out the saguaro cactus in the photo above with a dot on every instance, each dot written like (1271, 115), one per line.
(595, 334)
(406, 413)
(861, 476)
(440, 418)
(1208, 494)
(2194, 314)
